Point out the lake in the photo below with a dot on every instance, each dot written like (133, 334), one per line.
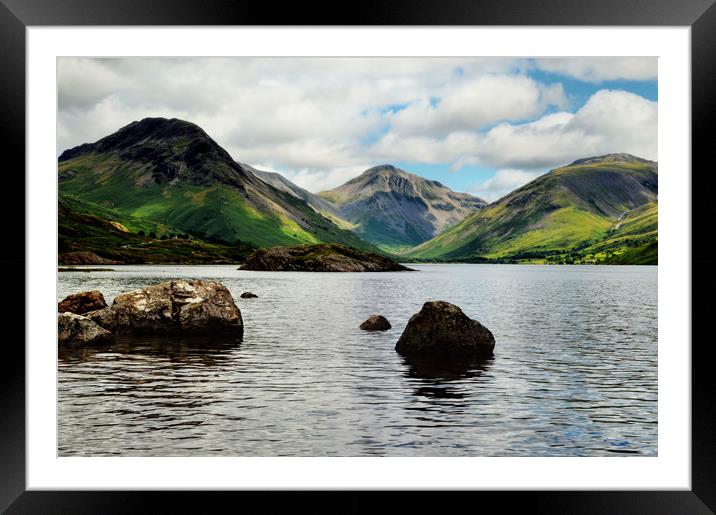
(574, 371)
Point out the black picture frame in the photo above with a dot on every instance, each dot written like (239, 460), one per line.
(700, 15)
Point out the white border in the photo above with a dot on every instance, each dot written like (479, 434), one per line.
(670, 470)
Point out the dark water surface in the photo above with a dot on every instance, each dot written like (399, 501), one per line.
(574, 372)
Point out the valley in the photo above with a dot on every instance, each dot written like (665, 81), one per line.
(163, 191)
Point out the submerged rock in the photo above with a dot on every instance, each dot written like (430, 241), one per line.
(249, 295)
(441, 329)
(324, 257)
(80, 303)
(79, 330)
(376, 323)
(180, 306)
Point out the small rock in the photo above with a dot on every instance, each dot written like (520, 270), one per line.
(376, 323)
(441, 329)
(249, 295)
(81, 303)
(79, 330)
(181, 306)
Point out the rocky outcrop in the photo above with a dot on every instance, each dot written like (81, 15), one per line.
(376, 323)
(180, 306)
(75, 329)
(84, 258)
(249, 295)
(441, 329)
(80, 303)
(329, 257)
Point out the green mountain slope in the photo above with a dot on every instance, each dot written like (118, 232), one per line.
(397, 210)
(572, 207)
(634, 239)
(88, 232)
(172, 172)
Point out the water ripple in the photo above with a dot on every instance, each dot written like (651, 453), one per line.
(574, 373)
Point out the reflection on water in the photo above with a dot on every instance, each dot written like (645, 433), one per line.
(176, 349)
(574, 371)
(444, 370)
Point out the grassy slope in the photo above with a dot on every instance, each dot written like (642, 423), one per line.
(214, 211)
(634, 241)
(570, 208)
(83, 226)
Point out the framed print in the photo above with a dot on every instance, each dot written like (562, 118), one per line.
(279, 253)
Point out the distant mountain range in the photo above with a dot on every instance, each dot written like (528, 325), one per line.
(162, 190)
(398, 210)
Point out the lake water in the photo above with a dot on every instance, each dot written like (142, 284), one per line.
(574, 371)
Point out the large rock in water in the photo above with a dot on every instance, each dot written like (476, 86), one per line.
(80, 303)
(324, 257)
(441, 329)
(180, 306)
(79, 330)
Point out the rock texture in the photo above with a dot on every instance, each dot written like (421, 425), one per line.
(80, 303)
(75, 329)
(249, 295)
(441, 329)
(376, 323)
(180, 306)
(330, 257)
(84, 257)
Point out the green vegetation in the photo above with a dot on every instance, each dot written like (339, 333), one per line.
(162, 190)
(592, 212)
(169, 173)
(87, 227)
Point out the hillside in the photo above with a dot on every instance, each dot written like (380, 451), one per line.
(93, 234)
(318, 203)
(396, 210)
(173, 173)
(567, 209)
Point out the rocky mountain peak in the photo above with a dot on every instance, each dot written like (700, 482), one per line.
(154, 132)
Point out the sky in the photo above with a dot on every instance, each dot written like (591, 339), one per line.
(482, 125)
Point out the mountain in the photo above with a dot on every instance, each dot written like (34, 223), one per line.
(559, 216)
(171, 172)
(319, 204)
(395, 209)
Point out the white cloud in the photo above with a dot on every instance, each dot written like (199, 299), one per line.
(598, 69)
(84, 82)
(503, 182)
(610, 121)
(319, 119)
(472, 104)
